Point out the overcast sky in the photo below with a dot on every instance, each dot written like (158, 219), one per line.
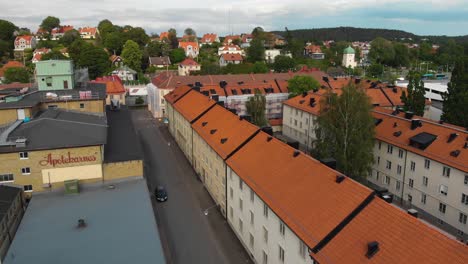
(424, 17)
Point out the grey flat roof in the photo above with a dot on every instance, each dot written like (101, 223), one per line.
(55, 128)
(120, 229)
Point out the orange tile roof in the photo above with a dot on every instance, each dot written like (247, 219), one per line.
(253, 86)
(25, 37)
(402, 239)
(90, 30)
(210, 87)
(439, 150)
(185, 44)
(113, 84)
(303, 103)
(10, 64)
(275, 122)
(192, 105)
(232, 57)
(164, 35)
(228, 39)
(229, 46)
(299, 190)
(378, 97)
(189, 62)
(209, 38)
(228, 126)
(176, 94)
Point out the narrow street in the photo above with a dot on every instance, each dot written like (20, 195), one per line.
(187, 234)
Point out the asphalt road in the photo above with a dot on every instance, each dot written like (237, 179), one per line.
(187, 234)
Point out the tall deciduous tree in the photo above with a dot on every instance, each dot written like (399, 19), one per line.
(173, 38)
(413, 98)
(283, 63)
(256, 106)
(300, 84)
(69, 37)
(382, 51)
(87, 55)
(105, 27)
(256, 51)
(17, 75)
(345, 131)
(50, 23)
(131, 55)
(7, 30)
(456, 99)
(177, 55)
(113, 42)
(260, 67)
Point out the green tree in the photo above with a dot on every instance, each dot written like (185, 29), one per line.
(53, 55)
(177, 55)
(455, 110)
(382, 51)
(17, 75)
(256, 106)
(260, 67)
(131, 55)
(345, 131)
(413, 98)
(105, 27)
(113, 42)
(136, 34)
(156, 49)
(375, 70)
(258, 32)
(191, 33)
(302, 83)
(283, 63)
(87, 55)
(7, 30)
(50, 23)
(425, 51)
(69, 37)
(256, 51)
(173, 38)
(402, 55)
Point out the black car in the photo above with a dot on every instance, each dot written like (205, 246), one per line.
(161, 194)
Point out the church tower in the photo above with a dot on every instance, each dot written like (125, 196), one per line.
(348, 57)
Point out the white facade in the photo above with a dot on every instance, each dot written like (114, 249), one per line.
(22, 43)
(223, 62)
(299, 125)
(274, 102)
(191, 51)
(261, 232)
(270, 55)
(125, 73)
(231, 49)
(156, 102)
(434, 89)
(185, 70)
(349, 61)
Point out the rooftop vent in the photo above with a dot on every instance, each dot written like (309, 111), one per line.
(413, 212)
(395, 124)
(269, 139)
(397, 133)
(339, 178)
(304, 94)
(452, 137)
(196, 88)
(388, 197)
(234, 92)
(223, 140)
(301, 101)
(466, 145)
(215, 97)
(213, 91)
(325, 79)
(81, 223)
(199, 84)
(296, 153)
(415, 124)
(20, 142)
(268, 130)
(223, 84)
(422, 140)
(409, 114)
(212, 131)
(372, 249)
(395, 90)
(312, 102)
(204, 123)
(455, 153)
(377, 121)
(240, 83)
(205, 93)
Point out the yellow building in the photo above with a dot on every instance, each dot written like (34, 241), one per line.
(57, 146)
(217, 135)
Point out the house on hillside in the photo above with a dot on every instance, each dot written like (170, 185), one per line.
(246, 39)
(58, 32)
(125, 73)
(191, 49)
(116, 60)
(159, 62)
(231, 48)
(314, 52)
(88, 32)
(229, 39)
(230, 58)
(270, 55)
(187, 66)
(25, 42)
(10, 64)
(209, 39)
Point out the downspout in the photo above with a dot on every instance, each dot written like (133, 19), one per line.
(404, 175)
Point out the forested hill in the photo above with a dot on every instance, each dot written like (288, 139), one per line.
(361, 34)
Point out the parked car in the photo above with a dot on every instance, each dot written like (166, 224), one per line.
(161, 194)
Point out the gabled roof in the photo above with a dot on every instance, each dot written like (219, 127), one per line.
(301, 191)
(230, 38)
(192, 105)
(89, 30)
(176, 94)
(313, 49)
(228, 47)
(245, 37)
(189, 62)
(164, 35)
(209, 38)
(302, 102)
(229, 131)
(402, 239)
(161, 60)
(186, 44)
(25, 37)
(113, 84)
(440, 149)
(10, 64)
(232, 57)
(42, 50)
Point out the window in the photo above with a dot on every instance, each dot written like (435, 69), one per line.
(241, 184)
(380, 144)
(231, 191)
(290, 120)
(377, 176)
(378, 160)
(28, 188)
(302, 249)
(26, 170)
(464, 199)
(410, 198)
(265, 235)
(423, 198)
(49, 81)
(389, 149)
(427, 163)
(446, 172)
(387, 180)
(282, 228)
(295, 122)
(462, 218)
(265, 258)
(400, 153)
(230, 174)
(231, 211)
(251, 241)
(425, 180)
(265, 210)
(241, 204)
(442, 208)
(413, 166)
(81, 106)
(6, 178)
(241, 225)
(440, 222)
(389, 165)
(411, 183)
(466, 179)
(397, 185)
(251, 218)
(300, 124)
(398, 169)
(65, 84)
(281, 254)
(252, 195)
(296, 112)
(443, 189)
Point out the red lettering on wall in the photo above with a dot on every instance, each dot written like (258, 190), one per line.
(49, 160)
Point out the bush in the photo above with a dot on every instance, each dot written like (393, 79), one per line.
(139, 100)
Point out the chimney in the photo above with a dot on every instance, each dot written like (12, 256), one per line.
(312, 102)
(452, 137)
(339, 178)
(409, 114)
(296, 153)
(372, 249)
(223, 84)
(415, 124)
(215, 97)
